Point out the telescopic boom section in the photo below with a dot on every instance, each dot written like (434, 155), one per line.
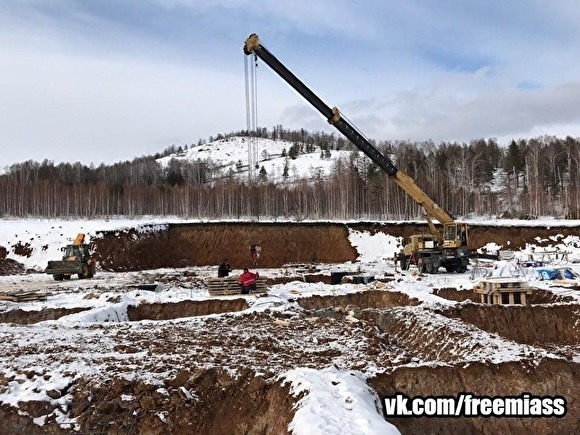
(332, 115)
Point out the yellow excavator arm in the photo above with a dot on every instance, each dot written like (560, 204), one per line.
(79, 240)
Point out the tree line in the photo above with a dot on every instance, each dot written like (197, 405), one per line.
(529, 178)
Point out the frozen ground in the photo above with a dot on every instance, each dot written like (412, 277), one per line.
(325, 351)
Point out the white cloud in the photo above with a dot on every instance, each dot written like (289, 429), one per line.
(119, 80)
(83, 109)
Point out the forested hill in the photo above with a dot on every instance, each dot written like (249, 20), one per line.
(304, 175)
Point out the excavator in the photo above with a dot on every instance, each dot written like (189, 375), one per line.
(447, 247)
(76, 259)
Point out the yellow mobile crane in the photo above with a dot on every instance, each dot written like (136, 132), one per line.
(428, 252)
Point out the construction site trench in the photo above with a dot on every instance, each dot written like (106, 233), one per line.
(233, 361)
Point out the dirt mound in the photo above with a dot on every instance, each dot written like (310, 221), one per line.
(546, 297)
(429, 336)
(454, 294)
(11, 267)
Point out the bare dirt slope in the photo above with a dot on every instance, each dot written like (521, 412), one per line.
(182, 245)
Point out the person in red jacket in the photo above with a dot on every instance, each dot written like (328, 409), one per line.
(247, 281)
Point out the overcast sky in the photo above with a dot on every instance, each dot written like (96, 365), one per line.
(109, 80)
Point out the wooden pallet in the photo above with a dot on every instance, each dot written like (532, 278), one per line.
(230, 286)
(22, 296)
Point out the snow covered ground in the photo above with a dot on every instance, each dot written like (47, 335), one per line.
(337, 400)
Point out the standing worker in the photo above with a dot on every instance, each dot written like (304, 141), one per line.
(224, 269)
(247, 281)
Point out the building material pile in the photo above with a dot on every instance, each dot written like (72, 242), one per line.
(24, 296)
(229, 286)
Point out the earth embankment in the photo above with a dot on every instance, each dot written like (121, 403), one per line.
(205, 244)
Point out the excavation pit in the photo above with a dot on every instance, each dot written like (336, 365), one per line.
(443, 352)
(192, 402)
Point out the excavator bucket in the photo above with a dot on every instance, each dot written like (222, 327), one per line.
(79, 240)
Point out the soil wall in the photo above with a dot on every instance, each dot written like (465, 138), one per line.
(204, 402)
(204, 244)
(160, 311)
(549, 378)
(208, 244)
(536, 325)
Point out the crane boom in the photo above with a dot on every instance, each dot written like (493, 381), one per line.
(333, 116)
(448, 249)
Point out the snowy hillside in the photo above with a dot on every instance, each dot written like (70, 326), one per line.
(231, 157)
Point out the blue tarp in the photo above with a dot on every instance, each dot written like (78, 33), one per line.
(548, 274)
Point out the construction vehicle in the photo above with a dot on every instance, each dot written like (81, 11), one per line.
(446, 248)
(76, 260)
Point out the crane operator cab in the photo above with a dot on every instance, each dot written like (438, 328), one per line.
(455, 235)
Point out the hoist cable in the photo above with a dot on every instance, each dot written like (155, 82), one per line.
(251, 88)
(255, 148)
(247, 86)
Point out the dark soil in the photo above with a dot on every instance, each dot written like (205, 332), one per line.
(367, 299)
(208, 244)
(204, 244)
(9, 266)
(205, 401)
(535, 298)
